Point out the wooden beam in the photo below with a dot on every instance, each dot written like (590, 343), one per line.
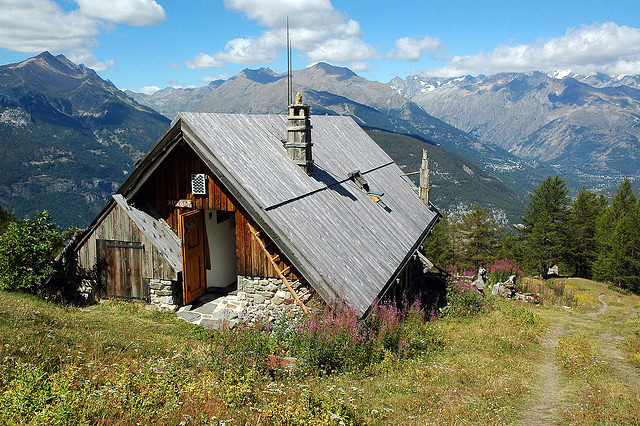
(256, 234)
(424, 179)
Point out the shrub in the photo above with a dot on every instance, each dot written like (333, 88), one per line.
(462, 299)
(502, 269)
(332, 339)
(27, 251)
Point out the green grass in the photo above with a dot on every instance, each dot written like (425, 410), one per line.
(118, 362)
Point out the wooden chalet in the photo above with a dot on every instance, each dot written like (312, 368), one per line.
(222, 196)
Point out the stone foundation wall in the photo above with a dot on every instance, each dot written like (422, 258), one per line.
(265, 296)
(164, 295)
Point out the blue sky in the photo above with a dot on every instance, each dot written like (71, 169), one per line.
(147, 44)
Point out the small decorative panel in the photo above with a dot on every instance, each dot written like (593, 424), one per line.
(199, 184)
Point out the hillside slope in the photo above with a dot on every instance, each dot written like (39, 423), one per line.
(68, 138)
(573, 359)
(457, 185)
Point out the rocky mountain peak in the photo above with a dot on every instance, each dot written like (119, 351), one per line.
(261, 75)
(341, 73)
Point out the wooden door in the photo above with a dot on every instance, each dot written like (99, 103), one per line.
(123, 269)
(193, 250)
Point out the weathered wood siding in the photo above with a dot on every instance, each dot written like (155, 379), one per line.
(117, 226)
(252, 261)
(172, 181)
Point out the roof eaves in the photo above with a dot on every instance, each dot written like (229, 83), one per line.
(404, 262)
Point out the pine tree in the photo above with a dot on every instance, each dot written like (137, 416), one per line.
(5, 219)
(585, 212)
(438, 246)
(625, 252)
(617, 239)
(544, 223)
(509, 246)
(478, 236)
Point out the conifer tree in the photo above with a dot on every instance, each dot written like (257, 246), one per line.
(544, 223)
(438, 246)
(583, 247)
(478, 235)
(509, 246)
(617, 235)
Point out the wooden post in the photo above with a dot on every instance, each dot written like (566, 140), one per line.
(424, 179)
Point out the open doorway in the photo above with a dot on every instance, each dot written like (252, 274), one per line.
(221, 236)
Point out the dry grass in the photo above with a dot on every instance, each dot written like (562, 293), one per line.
(119, 363)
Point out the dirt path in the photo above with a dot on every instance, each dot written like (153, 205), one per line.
(547, 399)
(602, 309)
(548, 394)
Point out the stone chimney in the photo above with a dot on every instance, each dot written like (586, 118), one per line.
(298, 144)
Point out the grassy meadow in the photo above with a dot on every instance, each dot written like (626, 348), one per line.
(575, 358)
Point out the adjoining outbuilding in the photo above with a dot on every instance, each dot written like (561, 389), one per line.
(251, 202)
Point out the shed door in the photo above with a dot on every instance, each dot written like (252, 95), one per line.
(193, 249)
(123, 269)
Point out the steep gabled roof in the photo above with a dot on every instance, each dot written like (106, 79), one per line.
(344, 243)
(157, 231)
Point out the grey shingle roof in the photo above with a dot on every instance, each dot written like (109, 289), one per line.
(343, 243)
(157, 231)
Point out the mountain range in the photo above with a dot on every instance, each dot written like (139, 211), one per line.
(68, 138)
(337, 90)
(587, 127)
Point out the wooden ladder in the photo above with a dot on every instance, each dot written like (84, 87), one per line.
(281, 273)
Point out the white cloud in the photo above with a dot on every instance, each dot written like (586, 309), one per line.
(359, 67)
(316, 29)
(174, 66)
(211, 78)
(38, 25)
(33, 26)
(343, 50)
(204, 61)
(590, 48)
(148, 90)
(412, 49)
(130, 12)
(623, 67)
(89, 60)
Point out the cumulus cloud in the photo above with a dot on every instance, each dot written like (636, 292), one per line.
(359, 67)
(412, 49)
(590, 48)
(37, 25)
(33, 26)
(87, 58)
(317, 30)
(204, 61)
(130, 12)
(148, 90)
(209, 79)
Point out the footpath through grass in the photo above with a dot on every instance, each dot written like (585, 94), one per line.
(119, 363)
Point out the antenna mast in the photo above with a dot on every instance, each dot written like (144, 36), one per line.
(289, 66)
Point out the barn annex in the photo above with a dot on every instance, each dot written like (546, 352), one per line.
(227, 199)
